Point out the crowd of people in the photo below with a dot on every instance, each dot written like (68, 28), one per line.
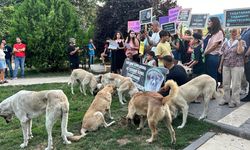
(6, 55)
(224, 59)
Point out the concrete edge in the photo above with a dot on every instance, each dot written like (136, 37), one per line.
(197, 143)
(229, 129)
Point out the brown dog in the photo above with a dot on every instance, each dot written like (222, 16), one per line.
(94, 117)
(153, 106)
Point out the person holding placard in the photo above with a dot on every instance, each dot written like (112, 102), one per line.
(213, 49)
(177, 46)
(155, 38)
(163, 48)
(232, 64)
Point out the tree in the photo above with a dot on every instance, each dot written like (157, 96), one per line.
(6, 15)
(115, 14)
(46, 26)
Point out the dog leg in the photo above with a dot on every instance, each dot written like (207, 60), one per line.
(205, 110)
(81, 88)
(124, 99)
(84, 88)
(152, 126)
(184, 107)
(99, 114)
(110, 114)
(30, 129)
(64, 125)
(170, 128)
(142, 121)
(72, 88)
(52, 114)
(25, 134)
(120, 94)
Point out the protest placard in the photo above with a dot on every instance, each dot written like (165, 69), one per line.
(237, 18)
(198, 21)
(170, 27)
(163, 19)
(146, 16)
(134, 25)
(173, 14)
(184, 15)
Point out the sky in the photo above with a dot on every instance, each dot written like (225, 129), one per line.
(212, 6)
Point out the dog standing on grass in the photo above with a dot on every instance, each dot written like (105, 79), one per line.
(124, 85)
(27, 105)
(203, 85)
(154, 107)
(94, 117)
(85, 79)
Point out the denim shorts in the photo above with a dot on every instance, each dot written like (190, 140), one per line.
(2, 64)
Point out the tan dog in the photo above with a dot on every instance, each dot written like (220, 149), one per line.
(153, 106)
(94, 117)
(123, 84)
(203, 85)
(85, 79)
(27, 105)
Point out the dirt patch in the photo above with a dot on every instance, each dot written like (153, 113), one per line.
(122, 142)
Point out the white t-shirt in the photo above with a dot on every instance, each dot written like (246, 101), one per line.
(155, 38)
(2, 54)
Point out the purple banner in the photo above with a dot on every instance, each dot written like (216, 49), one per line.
(134, 25)
(173, 14)
(163, 19)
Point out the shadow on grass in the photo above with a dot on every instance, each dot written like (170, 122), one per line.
(118, 136)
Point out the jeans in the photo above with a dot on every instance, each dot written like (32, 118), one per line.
(247, 73)
(91, 59)
(212, 65)
(9, 65)
(19, 61)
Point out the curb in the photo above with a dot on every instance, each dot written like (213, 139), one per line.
(197, 143)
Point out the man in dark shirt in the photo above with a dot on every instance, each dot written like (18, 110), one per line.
(246, 37)
(73, 55)
(8, 56)
(176, 73)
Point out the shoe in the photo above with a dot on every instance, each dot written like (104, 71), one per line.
(5, 81)
(1, 82)
(246, 99)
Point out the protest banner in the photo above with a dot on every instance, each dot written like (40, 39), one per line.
(184, 15)
(142, 47)
(170, 27)
(163, 19)
(173, 14)
(237, 18)
(198, 21)
(146, 78)
(134, 25)
(146, 16)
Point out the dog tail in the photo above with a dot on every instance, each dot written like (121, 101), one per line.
(77, 137)
(99, 114)
(219, 93)
(173, 92)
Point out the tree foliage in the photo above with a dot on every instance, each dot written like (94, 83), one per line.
(46, 26)
(6, 15)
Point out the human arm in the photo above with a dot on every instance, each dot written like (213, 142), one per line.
(241, 46)
(176, 46)
(221, 63)
(217, 39)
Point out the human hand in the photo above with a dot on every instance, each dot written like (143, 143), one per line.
(220, 69)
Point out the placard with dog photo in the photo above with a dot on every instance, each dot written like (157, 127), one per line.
(146, 16)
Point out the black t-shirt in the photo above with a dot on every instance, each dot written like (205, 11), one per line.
(74, 57)
(197, 56)
(178, 74)
(8, 52)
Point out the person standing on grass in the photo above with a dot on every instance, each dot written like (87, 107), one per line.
(92, 49)
(232, 64)
(163, 48)
(212, 51)
(19, 53)
(8, 58)
(2, 64)
(73, 54)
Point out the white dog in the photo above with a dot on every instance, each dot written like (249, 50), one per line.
(27, 105)
(123, 84)
(203, 85)
(85, 79)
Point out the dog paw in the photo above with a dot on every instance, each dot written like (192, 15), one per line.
(30, 136)
(149, 140)
(23, 145)
(111, 118)
(47, 148)
(180, 127)
(138, 128)
(202, 117)
(66, 142)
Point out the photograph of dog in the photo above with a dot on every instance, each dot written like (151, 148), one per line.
(153, 107)
(203, 85)
(124, 85)
(94, 117)
(85, 79)
(26, 105)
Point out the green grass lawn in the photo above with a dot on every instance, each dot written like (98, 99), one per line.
(118, 136)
